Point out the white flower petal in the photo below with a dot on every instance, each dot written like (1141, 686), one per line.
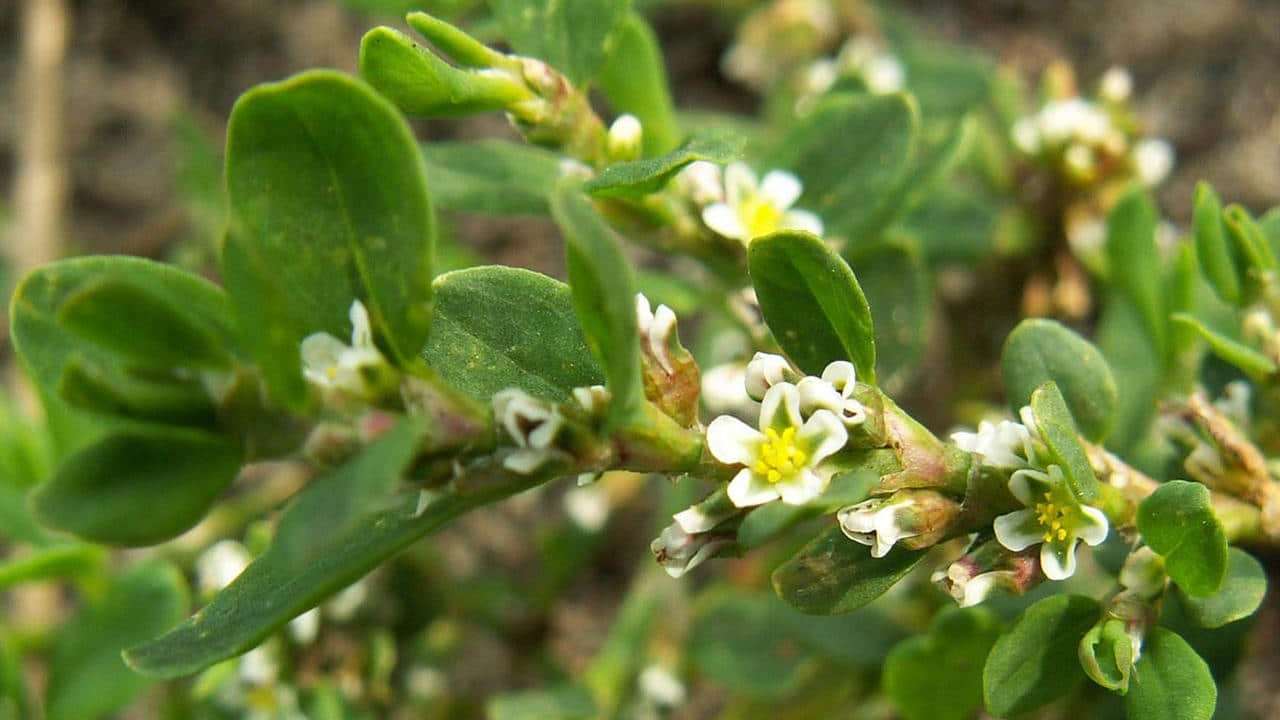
(780, 408)
(781, 188)
(732, 441)
(824, 434)
(763, 372)
(739, 183)
(1055, 567)
(748, 489)
(1022, 485)
(842, 375)
(525, 462)
(664, 324)
(320, 352)
(724, 220)
(802, 220)
(802, 489)
(1012, 530)
(361, 331)
(1093, 530)
(818, 394)
(644, 314)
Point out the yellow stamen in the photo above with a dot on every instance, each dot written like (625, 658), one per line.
(759, 216)
(1053, 518)
(779, 456)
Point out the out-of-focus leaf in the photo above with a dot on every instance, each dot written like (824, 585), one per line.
(634, 79)
(1217, 257)
(573, 36)
(491, 177)
(1252, 362)
(898, 290)
(1135, 262)
(55, 561)
(640, 177)
(938, 675)
(568, 702)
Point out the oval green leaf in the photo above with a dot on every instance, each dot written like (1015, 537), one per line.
(1171, 682)
(938, 675)
(1178, 522)
(812, 303)
(1239, 597)
(1038, 351)
(1035, 661)
(633, 180)
(1058, 430)
(833, 574)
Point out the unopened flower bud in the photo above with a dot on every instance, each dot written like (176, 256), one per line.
(626, 138)
(990, 567)
(1107, 654)
(1079, 161)
(766, 370)
(531, 423)
(1143, 573)
(1116, 85)
(1152, 161)
(920, 518)
(678, 551)
(701, 181)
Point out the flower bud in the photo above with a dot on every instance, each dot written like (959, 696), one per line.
(626, 138)
(679, 551)
(701, 182)
(1107, 655)
(919, 517)
(1152, 161)
(1116, 85)
(531, 423)
(766, 370)
(1143, 573)
(670, 374)
(985, 569)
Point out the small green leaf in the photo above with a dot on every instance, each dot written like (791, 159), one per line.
(1178, 522)
(1038, 351)
(1239, 597)
(329, 205)
(1249, 239)
(833, 574)
(634, 80)
(638, 178)
(87, 678)
(500, 327)
(938, 675)
(1035, 661)
(419, 83)
(453, 41)
(567, 702)
(106, 390)
(491, 177)
(766, 522)
(1135, 262)
(1171, 682)
(1253, 363)
(56, 561)
(1058, 431)
(1217, 256)
(812, 303)
(603, 288)
(573, 36)
(302, 567)
(138, 486)
(852, 152)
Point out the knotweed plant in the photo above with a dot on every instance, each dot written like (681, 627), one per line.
(838, 535)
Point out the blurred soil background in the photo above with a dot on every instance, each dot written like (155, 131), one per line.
(123, 157)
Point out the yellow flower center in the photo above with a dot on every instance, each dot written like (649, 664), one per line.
(331, 372)
(759, 216)
(1052, 517)
(779, 456)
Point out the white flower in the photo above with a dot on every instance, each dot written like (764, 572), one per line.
(532, 423)
(661, 687)
(587, 507)
(753, 208)
(220, 564)
(884, 74)
(1116, 85)
(1053, 518)
(592, 398)
(968, 589)
(1026, 135)
(820, 76)
(1079, 160)
(344, 606)
(625, 138)
(1073, 119)
(834, 392)
(331, 364)
(780, 459)
(879, 522)
(657, 331)
(724, 389)
(766, 370)
(701, 181)
(1004, 444)
(1152, 160)
(679, 551)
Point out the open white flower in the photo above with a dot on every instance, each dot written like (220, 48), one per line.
(753, 208)
(834, 392)
(532, 423)
(333, 365)
(781, 459)
(1005, 444)
(1053, 518)
(879, 522)
(1152, 161)
(766, 370)
(702, 182)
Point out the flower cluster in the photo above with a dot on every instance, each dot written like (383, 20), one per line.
(862, 59)
(739, 205)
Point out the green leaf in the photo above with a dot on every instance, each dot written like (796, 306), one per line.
(573, 36)
(499, 327)
(1137, 370)
(420, 83)
(55, 561)
(1106, 654)
(634, 79)
(1217, 256)
(897, 287)
(938, 157)
(1135, 262)
(491, 177)
(1035, 661)
(138, 486)
(812, 303)
(852, 153)
(87, 678)
(1253, 363)
(1240, 596)
(145, 328)
(1170, 682)
(568, 702)
(766, 522)
(1038, 351)
(1058, 431)
(302, 566)
(603, 288)
(47, 348)
(742, 641)
(329, 204)
(1178, 522)
(833, 574)
(109, 391)
(634, 180)
(1249, 239)
(938, 675)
